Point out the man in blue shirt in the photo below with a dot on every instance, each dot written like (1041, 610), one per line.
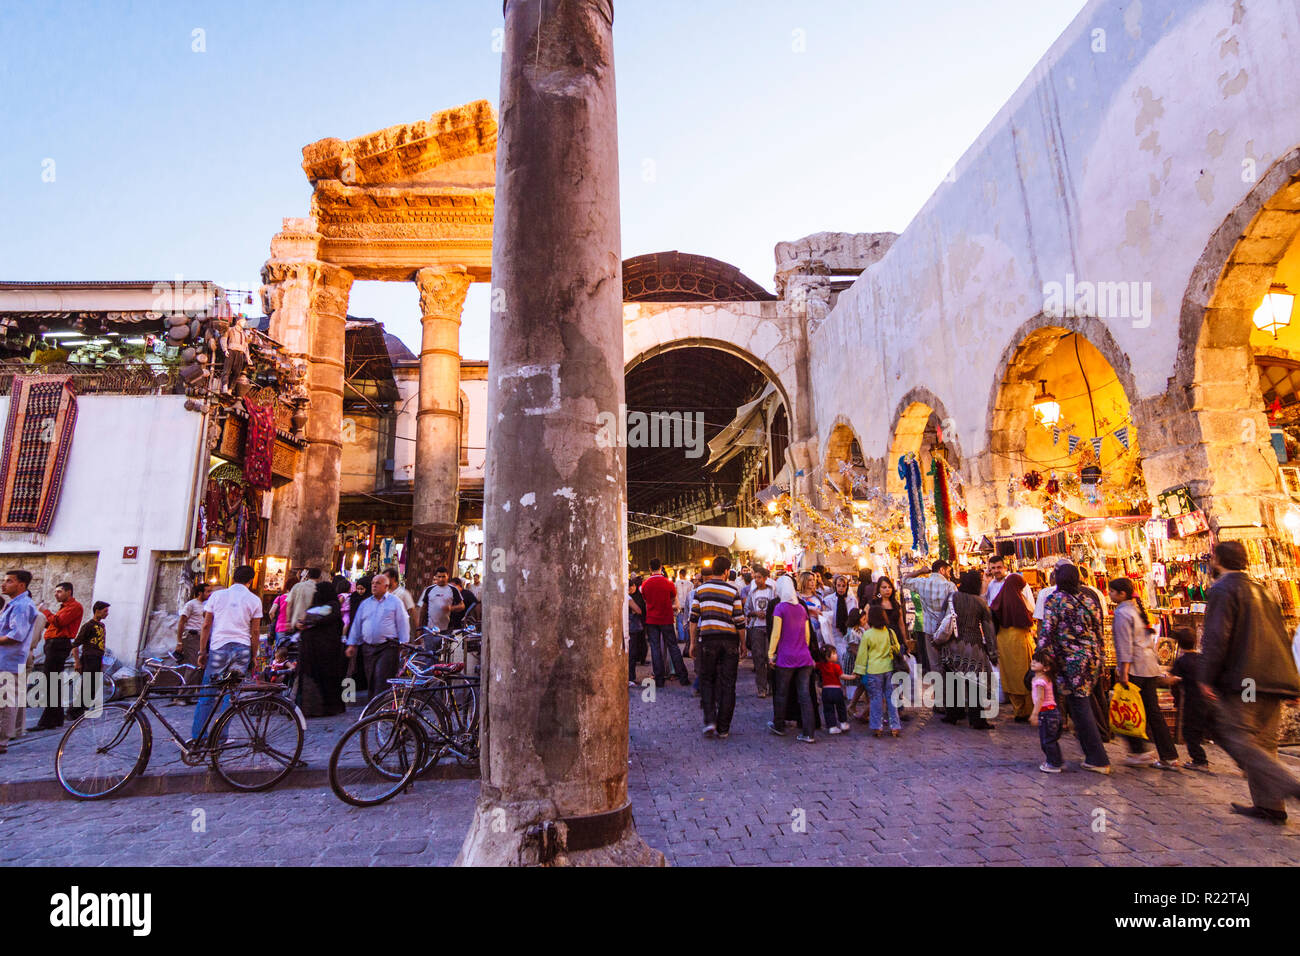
(380, 624)
(17, 627)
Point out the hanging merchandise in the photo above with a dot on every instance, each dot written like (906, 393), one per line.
(259, 446)
(943, 511)
(910, 471)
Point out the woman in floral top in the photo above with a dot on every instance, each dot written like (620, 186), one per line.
(1071, 634)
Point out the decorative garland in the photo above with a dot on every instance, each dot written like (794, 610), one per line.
(910, 471)
(943, 511)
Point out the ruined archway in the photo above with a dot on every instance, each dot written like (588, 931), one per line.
(921, 426)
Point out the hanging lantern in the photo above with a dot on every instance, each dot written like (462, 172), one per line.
(1274, 312)
(1046, 408)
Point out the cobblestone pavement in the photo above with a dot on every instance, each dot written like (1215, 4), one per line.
(937, 795)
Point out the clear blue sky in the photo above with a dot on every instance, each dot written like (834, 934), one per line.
(170, 161)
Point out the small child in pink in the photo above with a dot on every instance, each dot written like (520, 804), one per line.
(1045, 715)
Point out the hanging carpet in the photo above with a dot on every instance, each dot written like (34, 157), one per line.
(38, 440)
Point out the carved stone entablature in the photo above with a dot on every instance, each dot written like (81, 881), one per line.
(449, 140)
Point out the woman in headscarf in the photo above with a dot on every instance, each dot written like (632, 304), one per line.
(1014, 617)
(835, 615)
(360, 591)
(866, 590)
(971, 653)
(1071, 636)
(792, 661)
(321, 661)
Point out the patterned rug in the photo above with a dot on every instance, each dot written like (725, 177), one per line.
(259, 447)
(38, 439)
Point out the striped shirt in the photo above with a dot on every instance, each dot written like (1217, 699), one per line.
(717, 610)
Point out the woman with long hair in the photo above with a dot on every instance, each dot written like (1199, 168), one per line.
(1136, 661)
(1071, 635)
(1014, 619)
(886, 598)
(971, 654)
(321, 661)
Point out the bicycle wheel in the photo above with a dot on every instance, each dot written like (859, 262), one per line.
(100, 754)
(458, 705)
(376, 758)
(256, 743)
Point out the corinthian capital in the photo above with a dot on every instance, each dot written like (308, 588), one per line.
(442, 291)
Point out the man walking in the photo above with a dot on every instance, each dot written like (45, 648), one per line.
(660, 594)
(933, 587)
(756, 602)
(17, 629)
(408, 602)
(380, 625)
(60, 631)
(717, 621)
(1247, 672)
(439, 600)
(684, 589)
(232, 631)
(88, 660)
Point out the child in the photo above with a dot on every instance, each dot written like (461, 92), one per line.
(1045, 715)
(1187, 670)
(281, 668)
(853, 640)
(837, 715)
(875, 665)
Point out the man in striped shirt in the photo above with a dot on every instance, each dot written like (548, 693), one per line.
(717, 621)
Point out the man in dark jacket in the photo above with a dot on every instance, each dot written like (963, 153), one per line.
(1247, 672)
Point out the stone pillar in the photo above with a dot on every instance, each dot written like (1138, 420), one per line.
(308, 304)
(437, 426)
(554, 727)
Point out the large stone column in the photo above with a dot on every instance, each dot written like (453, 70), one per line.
(308, 304)
(437, 426)
(554, 668)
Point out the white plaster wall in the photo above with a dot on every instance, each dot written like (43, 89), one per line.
(476, 397)
(130, 481)
(1114, 166)
(408, 387)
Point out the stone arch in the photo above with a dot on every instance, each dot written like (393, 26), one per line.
(1212, 417)
(839, 448)
(911, 419)
(1012, 425)
(731, 348)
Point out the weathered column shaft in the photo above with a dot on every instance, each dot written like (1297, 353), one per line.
(309, 307)
(437, 425)
(555, 716)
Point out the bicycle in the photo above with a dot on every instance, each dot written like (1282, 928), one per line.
(381, 754)
(109, 689)
(173, 674)
(258, 734)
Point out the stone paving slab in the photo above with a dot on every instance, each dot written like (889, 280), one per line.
(939, 795)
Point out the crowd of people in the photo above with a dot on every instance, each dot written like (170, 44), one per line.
(955, 641)
(334, 634)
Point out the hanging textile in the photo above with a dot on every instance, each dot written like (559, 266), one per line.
(38, 441)
(259, 445)
(910, 471)
(943, 511)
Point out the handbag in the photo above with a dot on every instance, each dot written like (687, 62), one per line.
(1127, 715)
(947, 624)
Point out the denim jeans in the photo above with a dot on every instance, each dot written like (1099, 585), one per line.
(1085, 729)
(878, 687)
(757, 638)
(663, 641)
(236, 655)
(1049, 736)
(799, 677)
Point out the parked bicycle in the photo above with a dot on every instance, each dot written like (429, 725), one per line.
(252, 744)
(109, 686)
(425, 717)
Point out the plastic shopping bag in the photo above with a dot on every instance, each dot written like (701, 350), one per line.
(1127, 715)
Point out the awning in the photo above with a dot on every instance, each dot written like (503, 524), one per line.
(735, 539)
(746, 430)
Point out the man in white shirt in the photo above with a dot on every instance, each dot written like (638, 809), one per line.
(403, 595)
(232, 629)
(439, 600)
(997, 571)
(684, 591)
